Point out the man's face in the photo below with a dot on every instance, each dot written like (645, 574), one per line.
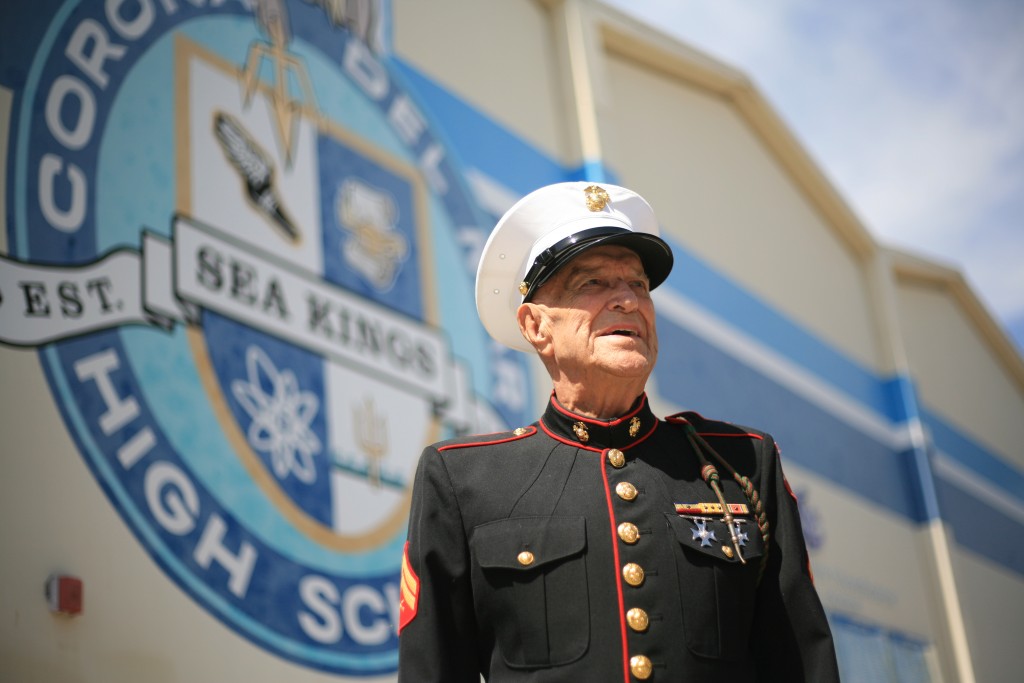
(596, 313)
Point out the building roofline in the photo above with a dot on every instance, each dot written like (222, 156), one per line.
(626, 37)
(910, 267)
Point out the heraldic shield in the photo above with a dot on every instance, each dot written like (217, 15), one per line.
(312, 347)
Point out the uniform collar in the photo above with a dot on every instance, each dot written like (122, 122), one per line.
(587, 432)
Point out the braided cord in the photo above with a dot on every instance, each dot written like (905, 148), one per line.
(710, 475)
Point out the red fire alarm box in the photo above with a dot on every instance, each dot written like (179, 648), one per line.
(64, 593)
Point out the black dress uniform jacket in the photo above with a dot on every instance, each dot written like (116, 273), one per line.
(542, 555)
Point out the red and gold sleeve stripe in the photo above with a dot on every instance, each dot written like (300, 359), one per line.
(410, 594)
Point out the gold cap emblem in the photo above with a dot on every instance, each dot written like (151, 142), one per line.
(597, 197)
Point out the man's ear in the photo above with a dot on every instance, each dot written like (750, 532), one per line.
(531, 324)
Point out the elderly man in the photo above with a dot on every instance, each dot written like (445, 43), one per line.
(601, 543)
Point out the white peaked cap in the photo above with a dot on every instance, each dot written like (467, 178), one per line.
(545, 230)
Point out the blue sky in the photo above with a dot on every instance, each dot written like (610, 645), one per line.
(913, 108)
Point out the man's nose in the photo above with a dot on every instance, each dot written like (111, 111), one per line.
(623, 296)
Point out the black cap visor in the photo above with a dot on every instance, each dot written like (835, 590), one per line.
(654, 253)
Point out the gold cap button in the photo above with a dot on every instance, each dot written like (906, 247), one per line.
(525, 558)
(640, 666)
(637, 619)
(616, 458)
(625, 490)
(628, 532)
(633, 574)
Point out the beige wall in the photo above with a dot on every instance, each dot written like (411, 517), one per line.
(992, 600)
(503, 66)
(721, 193)
(956, 370)
(868, 591)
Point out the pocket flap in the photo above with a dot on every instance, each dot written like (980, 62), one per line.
(525, 543)
(710, 536)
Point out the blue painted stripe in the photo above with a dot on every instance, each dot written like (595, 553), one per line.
(595, 171)
(903, 398)
(974, 457)
(981, 528)
(694, 374)
(759, 319)
(859, 624)
(479, 141)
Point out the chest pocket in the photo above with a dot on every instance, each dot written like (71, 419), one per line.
(717, 590)
(530, 583)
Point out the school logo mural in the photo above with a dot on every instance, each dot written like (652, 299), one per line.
(229, 227)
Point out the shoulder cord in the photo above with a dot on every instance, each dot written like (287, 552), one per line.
(709, 473)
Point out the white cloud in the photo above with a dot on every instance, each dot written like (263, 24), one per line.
(914, 109)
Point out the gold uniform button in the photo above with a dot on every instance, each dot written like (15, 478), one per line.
(633, 574)
(727, 551)
(616, 458)
(625, 490)
(519, 431)
(628, 532)
(637, 619)
(640, 666)
(525, 558)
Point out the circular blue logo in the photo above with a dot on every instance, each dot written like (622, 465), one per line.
(230, 232)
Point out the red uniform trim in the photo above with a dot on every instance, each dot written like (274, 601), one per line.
(528, 431)
(577, 444)
(681, 418)
(738, 434)
(613, 423)
(567, 442)
(642, 438)
(618, 574)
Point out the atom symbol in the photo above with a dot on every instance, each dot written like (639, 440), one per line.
(281, 419)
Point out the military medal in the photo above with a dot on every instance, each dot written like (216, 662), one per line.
(741, 536)
(702, 532)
